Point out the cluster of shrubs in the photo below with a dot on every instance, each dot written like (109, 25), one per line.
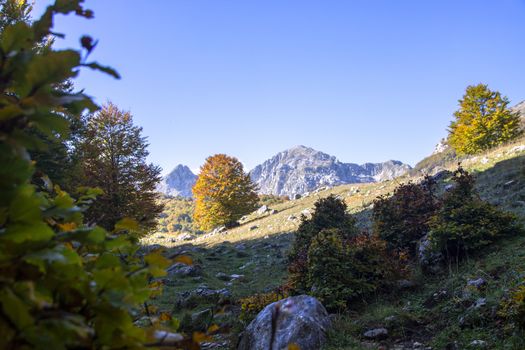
(456, 224)
(333, 261)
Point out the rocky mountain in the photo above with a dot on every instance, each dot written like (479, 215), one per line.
(302, 169)
(179, 182)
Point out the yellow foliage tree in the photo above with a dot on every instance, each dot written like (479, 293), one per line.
(483, 121)
(223, 193)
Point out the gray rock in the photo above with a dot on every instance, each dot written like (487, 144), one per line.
(429, 259)
(273, 211)
(509, 184)
(480, 302)
(223, 276)
(449, 187)
(478, 343)
(406, 284)
(180, 269)
(377, 333)
(477, 283)
(300, 320)
(201, 319)
(254, 227)
(263, 209)
(292, 218)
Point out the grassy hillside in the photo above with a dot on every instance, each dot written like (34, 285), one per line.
(257, 252)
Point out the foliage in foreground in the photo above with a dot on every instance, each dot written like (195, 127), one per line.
(483, 121)
(223, 193)
(63, 284)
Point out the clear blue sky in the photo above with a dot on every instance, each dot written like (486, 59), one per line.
(363, 80)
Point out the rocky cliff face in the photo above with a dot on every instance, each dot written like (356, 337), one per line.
(179, 182)
(520, 108)
(302, 169)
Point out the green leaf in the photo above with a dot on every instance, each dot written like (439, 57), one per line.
(15, 309)
(35, 232)
(105, 69)
(16, 37)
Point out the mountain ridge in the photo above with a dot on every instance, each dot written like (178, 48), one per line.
(302, 169)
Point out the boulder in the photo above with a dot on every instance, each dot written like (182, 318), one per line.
(301, 320)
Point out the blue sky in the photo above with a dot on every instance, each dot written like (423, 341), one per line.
(365, 80)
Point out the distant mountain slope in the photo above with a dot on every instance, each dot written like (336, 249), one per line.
(179, 182)
(302, 169)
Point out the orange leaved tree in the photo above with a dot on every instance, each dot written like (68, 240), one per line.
(223, 192)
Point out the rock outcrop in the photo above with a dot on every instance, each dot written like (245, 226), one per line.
(300, 320)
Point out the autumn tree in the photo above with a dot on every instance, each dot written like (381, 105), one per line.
(482, 121)
(223, 192)
(113, 155)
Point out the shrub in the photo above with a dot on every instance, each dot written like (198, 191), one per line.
(343, 270)
(465, 223)
(252, 305)
(402, 219)
(513, 308)
(330, 212)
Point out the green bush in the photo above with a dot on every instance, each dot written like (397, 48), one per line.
(402, 219)
(465, 223)
(344, 270)
(329, 213)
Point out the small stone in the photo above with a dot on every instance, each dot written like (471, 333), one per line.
(477, 283)
(478, 343)
(292, 218)
(480, 302)
(222, 276)
(263, 209)
(254, 227)
(508, 184)
(377, 333)
(273, 211)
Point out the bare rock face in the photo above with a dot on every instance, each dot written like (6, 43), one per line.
(300, 320)
(179, 182)
(301, 169)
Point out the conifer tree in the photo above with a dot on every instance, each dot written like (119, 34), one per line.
(223, 192)
(483, 121)
(113, 157)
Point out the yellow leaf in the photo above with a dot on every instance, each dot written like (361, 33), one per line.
(213, 328)
(164, 316)
(185, 259)
(199, 337)
(68, 226)
(293, 346)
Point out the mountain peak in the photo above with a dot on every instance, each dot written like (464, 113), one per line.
(178, 182)
(302, 169)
